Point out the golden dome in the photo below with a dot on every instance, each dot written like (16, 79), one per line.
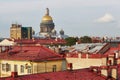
(46, 18)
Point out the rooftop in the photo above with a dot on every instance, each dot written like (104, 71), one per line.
(81, 74)
(88, 47)
(41, 41)
(33, 53)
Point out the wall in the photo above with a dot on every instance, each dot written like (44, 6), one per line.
(85, 61)
(47, 66)
(36, 67)
(12, 63)
(79, 63)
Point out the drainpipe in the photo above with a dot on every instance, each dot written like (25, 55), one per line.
(45, 66)
(31, 66)
(117, 72)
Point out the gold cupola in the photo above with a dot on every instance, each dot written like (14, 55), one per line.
(47, 24)
(46, 17)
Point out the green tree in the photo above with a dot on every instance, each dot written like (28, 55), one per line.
(85, 39)
(71, 41)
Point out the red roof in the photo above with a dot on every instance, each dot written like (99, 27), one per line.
(40, 41)
(33, 53)
(83, 55)
(112, 50)
(81, 74)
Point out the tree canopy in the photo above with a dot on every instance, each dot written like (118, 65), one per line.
(71, 41)
(85, 39)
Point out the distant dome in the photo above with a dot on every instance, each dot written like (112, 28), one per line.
(61, 32)
(47, 17)
(47, 24)
(54, 32)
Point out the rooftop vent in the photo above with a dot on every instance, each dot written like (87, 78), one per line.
(14, 74)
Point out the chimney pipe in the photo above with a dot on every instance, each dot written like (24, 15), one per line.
(14, 74)
(99, 71)
(71, 66)
(109, 72)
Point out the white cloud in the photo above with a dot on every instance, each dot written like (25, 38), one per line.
(107, 18)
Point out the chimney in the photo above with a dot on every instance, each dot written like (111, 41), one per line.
(109, 72)
(99, 71)
(79, 55)
(87, 56)
(14, 74)
(70, 66)
(115, 59)
(109, 62)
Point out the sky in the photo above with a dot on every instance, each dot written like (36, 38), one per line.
(75, 17)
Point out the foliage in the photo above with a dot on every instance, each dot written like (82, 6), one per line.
(71, 41)
(85, 39)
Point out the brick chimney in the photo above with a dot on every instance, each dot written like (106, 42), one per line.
(14, 74)
(70, 66)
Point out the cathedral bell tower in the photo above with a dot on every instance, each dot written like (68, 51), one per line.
(47, 24)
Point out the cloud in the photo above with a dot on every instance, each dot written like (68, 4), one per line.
(107, 18)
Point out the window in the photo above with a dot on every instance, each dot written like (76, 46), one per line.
(22, 69)
(3, 67)
(29, 70)
(6, 67)
(15, 68)
(54, 68)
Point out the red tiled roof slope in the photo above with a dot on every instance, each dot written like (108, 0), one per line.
(41, 41)
(82, 74)
(33, 53)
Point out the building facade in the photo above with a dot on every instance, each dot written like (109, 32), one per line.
(24, 60)
(15, 31)
(26, 32)
(19, 32)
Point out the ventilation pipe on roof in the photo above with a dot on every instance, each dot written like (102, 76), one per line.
(87, 56)
(14, 74)
(109, 62)
(96, 69)
(70, 66)
(117, 54)
(99, 71)
(109, 72)
(79, 55)
(115, 58)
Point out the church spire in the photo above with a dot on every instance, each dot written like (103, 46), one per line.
(47, 11)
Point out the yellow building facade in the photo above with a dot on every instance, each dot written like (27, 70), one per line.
(30, 60)
(15, 31)
(29, 67)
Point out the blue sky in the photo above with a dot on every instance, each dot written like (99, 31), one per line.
(75, 17)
